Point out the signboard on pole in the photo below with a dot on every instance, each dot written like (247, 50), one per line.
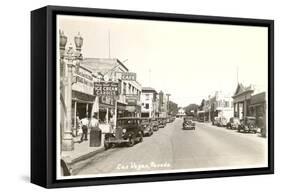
(106, 88)
(128, 76)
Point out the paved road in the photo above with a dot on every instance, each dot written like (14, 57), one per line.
(172, 148)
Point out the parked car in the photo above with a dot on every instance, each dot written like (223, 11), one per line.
(155, 124)
(188, 124)
(128, 131)
(164, 120)
(161, 123)
(215, 121)
(233, 123)
(248, 125)
(222, 122)
(169, 119)
(146, 123)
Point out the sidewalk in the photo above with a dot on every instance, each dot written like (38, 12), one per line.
(82, 151)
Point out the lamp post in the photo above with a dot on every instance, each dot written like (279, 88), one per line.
(71, 59)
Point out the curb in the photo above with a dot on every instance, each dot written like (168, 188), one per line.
(73, 165)
(86, 156)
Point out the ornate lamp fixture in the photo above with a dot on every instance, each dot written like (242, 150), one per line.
(63, 41)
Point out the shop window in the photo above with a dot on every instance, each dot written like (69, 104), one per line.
(124, 88)
(147, 106)
(226, 104)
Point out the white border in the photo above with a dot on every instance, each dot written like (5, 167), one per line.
(58, 151)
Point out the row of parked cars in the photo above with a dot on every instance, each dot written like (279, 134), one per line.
(131, 130)
(247, 125)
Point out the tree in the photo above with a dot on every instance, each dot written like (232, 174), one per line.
(191, 109)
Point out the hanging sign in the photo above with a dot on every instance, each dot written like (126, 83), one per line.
(106, 88)
(128, 76)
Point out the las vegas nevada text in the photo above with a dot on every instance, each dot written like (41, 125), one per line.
(144, 97)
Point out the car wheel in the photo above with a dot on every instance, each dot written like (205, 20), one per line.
(131, 142)
(107, 145)
(141, 138)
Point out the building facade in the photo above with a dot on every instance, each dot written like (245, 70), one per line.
(241, 100)
(221, 105)
(149, 102)
(128, 100)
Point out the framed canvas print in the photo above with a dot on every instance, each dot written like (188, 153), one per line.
(126, 96)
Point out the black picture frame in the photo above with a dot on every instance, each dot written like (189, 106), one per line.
(43, 96)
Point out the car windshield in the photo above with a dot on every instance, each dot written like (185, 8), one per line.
(126, 122)
(145, 121)
(251, 120)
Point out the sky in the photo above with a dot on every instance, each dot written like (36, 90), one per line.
(190, 61)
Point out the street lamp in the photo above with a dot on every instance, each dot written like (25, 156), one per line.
(72, 59)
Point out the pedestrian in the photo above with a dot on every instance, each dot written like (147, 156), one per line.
(84, 123)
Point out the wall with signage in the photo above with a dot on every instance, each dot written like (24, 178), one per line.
(84, 81)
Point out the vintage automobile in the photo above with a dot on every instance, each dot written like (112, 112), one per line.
(146, 123)
(222, 122)
(188, 124)
(161, 122)
(215, 121)
(128, 131)
(248, 125)
(170, 119)
(155, 124)
(233, 123)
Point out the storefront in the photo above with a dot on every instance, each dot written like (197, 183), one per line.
(82, 95)
(106, 109)
(257, 108)
(121, 110)
(241, 101)
(133, 107)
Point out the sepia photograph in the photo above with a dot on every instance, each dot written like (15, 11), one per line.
(137, 96)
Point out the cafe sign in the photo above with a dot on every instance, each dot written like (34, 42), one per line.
(128, 76)
(106, 88)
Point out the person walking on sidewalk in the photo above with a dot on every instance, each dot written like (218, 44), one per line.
(85, 123)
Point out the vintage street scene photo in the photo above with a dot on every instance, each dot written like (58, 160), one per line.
(144, 97)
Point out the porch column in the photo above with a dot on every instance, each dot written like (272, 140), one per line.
(75, 110)
(87, 110)
(107, 116)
